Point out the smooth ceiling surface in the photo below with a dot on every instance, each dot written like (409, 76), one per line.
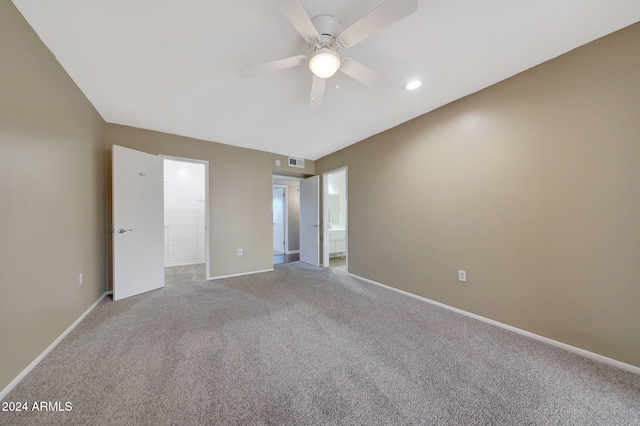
(175, 66)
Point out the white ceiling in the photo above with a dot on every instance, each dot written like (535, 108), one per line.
(173, 66)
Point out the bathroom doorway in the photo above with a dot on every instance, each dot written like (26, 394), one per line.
(335, 219)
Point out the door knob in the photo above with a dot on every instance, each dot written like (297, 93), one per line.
(122, 230)
(315, 226)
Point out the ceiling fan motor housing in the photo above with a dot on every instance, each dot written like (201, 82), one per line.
(329, 28)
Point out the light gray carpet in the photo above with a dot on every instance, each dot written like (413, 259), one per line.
(305, 345)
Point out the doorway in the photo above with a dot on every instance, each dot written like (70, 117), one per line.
(185, 212)
(335, 219)
(286, 219)
(279, 220)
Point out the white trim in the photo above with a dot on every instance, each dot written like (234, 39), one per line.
(185, 264)
(243, 273)
(613, 362)
(293, 252)
(40, 357)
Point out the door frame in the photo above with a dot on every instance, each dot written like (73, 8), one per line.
(207, 202)
(285, 209)
(325, 215)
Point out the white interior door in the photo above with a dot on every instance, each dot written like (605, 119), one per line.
(138, 222)
(278, 219)
(310, 220)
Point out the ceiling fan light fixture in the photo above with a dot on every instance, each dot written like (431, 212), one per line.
(324, 63)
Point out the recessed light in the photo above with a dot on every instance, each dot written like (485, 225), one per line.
(413, 85)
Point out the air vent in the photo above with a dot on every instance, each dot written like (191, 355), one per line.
(296, 162)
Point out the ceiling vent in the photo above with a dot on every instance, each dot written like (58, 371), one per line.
(296, 162)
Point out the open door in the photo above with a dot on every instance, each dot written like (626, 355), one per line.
(310, 220)
(138, 222)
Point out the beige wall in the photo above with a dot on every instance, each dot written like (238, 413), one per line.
(531, 186)
(52, 209)
(240, 194)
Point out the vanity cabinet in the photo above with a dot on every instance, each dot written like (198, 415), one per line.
(337, 240)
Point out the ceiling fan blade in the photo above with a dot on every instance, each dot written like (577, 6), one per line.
(361, 73)
(379, 18)
(317, 92)
(299, 19)
(274, 66)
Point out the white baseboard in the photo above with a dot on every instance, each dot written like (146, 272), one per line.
(293, 251)
(579, 351)
(55, 343)
(171, 265)
(239, 275)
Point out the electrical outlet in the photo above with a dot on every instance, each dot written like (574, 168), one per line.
(80, 278)
(239, 252)
(462, 276)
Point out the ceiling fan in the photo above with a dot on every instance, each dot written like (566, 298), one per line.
(325, 36)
